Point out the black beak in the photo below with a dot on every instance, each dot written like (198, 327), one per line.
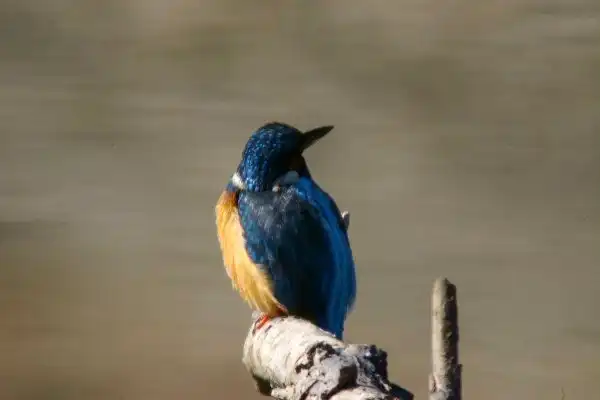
(311, 137)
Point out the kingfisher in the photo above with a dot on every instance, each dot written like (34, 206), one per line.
(284, 242)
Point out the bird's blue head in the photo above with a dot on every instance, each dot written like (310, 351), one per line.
(273, 150)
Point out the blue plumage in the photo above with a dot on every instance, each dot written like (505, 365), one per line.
(295, 232)
(267, 155)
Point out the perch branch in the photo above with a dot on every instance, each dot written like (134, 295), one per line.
(292, 359)
(445, 380)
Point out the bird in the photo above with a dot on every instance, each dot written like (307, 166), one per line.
(284, 242)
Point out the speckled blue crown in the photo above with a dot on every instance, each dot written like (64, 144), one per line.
(266, 155)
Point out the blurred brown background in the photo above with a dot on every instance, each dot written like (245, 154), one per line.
(467, 145)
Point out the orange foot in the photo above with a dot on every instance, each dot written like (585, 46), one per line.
(261, 322)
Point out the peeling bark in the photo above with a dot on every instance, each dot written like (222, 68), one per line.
(292, 359)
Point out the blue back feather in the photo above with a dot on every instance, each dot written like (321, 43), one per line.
(298, 236)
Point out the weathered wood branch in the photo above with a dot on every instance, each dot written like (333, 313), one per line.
(292, 359)
(445, 380)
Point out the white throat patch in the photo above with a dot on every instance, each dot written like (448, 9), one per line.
(236, 180)
(289, 178)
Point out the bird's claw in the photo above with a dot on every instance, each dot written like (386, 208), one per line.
(261, 322)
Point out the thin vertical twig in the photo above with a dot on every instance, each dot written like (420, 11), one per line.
(445, 379)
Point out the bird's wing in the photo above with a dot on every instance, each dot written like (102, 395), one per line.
(285, 236)
(250, 280)
(335, 209)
